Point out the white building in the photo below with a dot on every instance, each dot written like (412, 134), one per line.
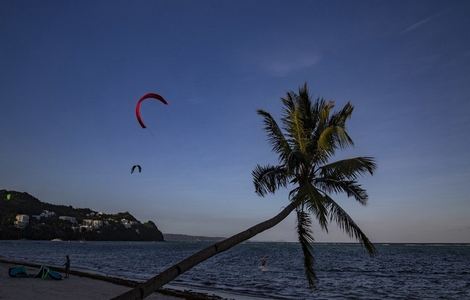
(44, 214)
(83, 228)
(92, 224)
(126, 223)
(47, 214)
(97, 223)
(21, 221)
(87, 222)
(68, 219)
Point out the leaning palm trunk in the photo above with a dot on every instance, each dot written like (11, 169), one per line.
(311, 135)
(147, 288)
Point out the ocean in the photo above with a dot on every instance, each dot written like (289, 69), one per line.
(345, 271)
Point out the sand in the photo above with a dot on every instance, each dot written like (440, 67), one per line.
(74, 287)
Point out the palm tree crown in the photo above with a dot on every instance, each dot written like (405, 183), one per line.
(309, 138)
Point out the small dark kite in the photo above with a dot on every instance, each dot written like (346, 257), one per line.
(138, 167)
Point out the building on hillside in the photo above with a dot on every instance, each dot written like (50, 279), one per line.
(83, 228)
(21, 221)
(47, 214)
(126, 223)
(92, 224)
(97, 223)
(87, 222)
(68, 219)
(44, 214)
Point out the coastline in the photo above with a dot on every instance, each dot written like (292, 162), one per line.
(80, 285)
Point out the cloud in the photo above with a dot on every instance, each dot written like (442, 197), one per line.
(283, 66)
(420, 23)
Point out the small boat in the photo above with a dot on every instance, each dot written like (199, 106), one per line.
(56, 240)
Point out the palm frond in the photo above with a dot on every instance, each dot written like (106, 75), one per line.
(330, 133)
(305, 107)
(339, 118)
(289, 103)
(321, 110)
(289, 106)
(305, 235)
(350, 168)
(339, 185)
(293, 194)
(296, 130)
(315, 204)
(275, 135)
(295, 161)
(296, 118)
(267, 179)
(332, 138)
(347, 224)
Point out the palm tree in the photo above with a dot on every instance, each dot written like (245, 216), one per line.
(310, 136)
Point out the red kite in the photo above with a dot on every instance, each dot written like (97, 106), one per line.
(139, 103)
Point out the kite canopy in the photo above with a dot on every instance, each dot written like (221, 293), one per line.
(138, 167)
(139, 103)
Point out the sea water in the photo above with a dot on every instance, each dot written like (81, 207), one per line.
(399, 271)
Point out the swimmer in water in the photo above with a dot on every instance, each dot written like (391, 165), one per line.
(264, 262)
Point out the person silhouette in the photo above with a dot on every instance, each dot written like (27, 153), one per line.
(264, 263)
(67, 266)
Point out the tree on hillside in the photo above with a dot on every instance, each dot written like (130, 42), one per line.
(309, 138)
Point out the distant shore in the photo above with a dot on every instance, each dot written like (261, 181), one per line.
(80, 285)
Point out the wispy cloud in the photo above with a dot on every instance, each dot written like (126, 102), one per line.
(420, 23)
(283, 66)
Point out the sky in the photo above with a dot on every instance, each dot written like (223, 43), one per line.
(72, 71)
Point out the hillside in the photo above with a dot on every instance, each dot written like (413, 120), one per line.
(47, 221)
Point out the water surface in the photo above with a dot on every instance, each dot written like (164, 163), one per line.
(399, 271)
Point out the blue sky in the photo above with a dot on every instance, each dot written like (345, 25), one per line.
(71, 73)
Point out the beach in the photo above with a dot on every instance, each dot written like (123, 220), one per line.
(79, 285)
(74, 287)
